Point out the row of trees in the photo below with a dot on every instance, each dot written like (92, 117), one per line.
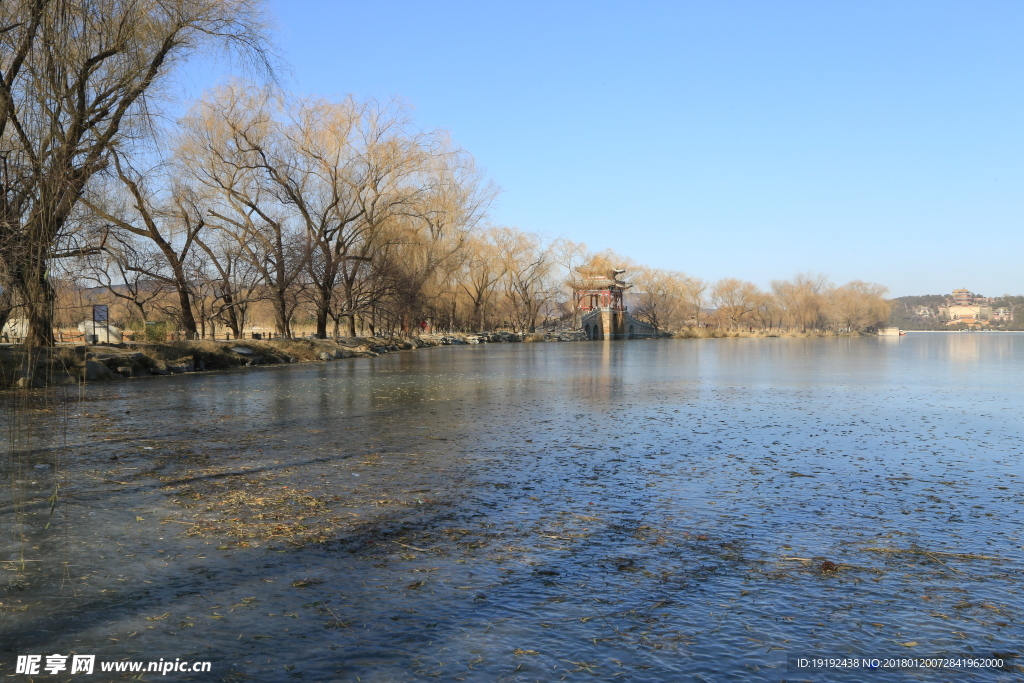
(340, 207)
(804, 303)
(340, 215)
(493, 278)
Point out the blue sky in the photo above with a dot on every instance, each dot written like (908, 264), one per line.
(863, 140)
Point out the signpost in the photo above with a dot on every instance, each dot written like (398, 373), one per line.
(101, 314)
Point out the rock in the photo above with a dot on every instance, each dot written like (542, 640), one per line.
(94, 371)
(181, 365)
(160, 371)
(379, 349)
(242, 350)
(565, 336)
(505, 337)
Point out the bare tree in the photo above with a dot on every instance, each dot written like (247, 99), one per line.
(662, 297)
(528, 265)
(74, 75)
(233, 281)
(350, 182)
(130, 272)
(802, 300)
(431, 237)
(483, 269)
(571, 257)
(857, 306)
(735, 300)
(228, 145)
(171, 220)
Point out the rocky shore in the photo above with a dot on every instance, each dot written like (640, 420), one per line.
(69, 365)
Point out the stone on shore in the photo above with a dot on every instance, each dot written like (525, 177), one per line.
(94, 371)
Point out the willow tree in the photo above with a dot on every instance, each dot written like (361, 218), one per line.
(231, 144)
(802, 300)
(665, 298)
(857, 306)
(74, 79)
(431, 239)
(736, 301)
(480, 275)
(529, 264)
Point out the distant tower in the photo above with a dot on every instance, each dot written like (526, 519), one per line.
(963, 297)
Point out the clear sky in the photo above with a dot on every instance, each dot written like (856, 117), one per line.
(881, 141)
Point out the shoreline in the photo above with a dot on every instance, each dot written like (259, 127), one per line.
(68, 365)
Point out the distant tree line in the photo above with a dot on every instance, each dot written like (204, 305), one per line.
(805, 303)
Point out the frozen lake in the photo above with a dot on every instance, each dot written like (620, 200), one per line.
(636, 511)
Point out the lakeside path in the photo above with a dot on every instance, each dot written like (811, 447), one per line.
(647, 511)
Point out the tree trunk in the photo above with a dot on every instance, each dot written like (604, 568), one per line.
(231, 313)
(350, 306)
(281, 315)
(6, 306)
(38, 298)
(188, 321)
(322, 310)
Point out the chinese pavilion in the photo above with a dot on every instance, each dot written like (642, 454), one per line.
(600, 300)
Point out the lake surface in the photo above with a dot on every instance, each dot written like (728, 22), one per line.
(635, 511)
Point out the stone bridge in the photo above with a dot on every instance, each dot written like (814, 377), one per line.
(608, 323)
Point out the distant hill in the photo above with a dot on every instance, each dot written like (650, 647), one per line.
(904, 312)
